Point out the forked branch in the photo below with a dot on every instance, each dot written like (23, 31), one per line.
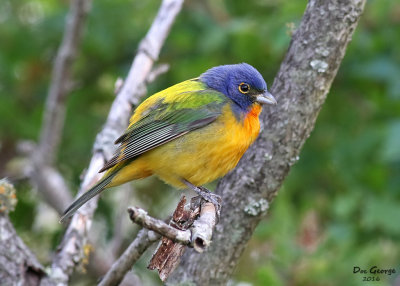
(70, 251)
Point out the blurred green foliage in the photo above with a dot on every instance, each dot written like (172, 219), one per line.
(339, 207)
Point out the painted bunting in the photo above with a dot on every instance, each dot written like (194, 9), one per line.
(189, 134)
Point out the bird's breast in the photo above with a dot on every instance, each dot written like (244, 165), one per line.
(207, 153)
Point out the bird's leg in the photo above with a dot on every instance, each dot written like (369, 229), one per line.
(206, 195)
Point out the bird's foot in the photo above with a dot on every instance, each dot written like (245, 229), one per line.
(216, 200)
(207, 195)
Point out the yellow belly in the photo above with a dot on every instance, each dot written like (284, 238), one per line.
(200, 156)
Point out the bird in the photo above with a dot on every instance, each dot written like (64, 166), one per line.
(189, 134)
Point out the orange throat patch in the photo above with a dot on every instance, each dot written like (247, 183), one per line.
(251, 122)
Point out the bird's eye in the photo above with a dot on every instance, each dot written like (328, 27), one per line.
(244, 87)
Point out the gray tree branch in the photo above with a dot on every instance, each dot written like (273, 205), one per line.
(18, 266)
(140, 217)
(46, 178)
(69, 253)
(124, 263)
(200, 218)
(198, 235)
(61, 81)
(301, 87)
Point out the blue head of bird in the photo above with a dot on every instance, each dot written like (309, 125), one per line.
(242, 83)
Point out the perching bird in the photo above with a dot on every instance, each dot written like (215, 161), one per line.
(189, 134)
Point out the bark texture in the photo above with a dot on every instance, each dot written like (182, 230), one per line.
(301, 86)
(18, 266)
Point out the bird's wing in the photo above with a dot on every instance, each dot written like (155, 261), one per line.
(165, 116)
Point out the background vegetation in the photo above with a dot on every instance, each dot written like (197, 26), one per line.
(339, 207)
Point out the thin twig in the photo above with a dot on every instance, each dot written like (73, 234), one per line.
(197, 236)
(140, 217)
(191, 227)
(156, 72)
(124, 263)
(168, 253)
(45, 177)
(70, 250)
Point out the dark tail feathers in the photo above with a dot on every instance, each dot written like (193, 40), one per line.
(98, 188)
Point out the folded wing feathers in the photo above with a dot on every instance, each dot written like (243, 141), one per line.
(153, 135)
(160, 126)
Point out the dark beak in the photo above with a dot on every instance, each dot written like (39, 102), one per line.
(266, 98)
